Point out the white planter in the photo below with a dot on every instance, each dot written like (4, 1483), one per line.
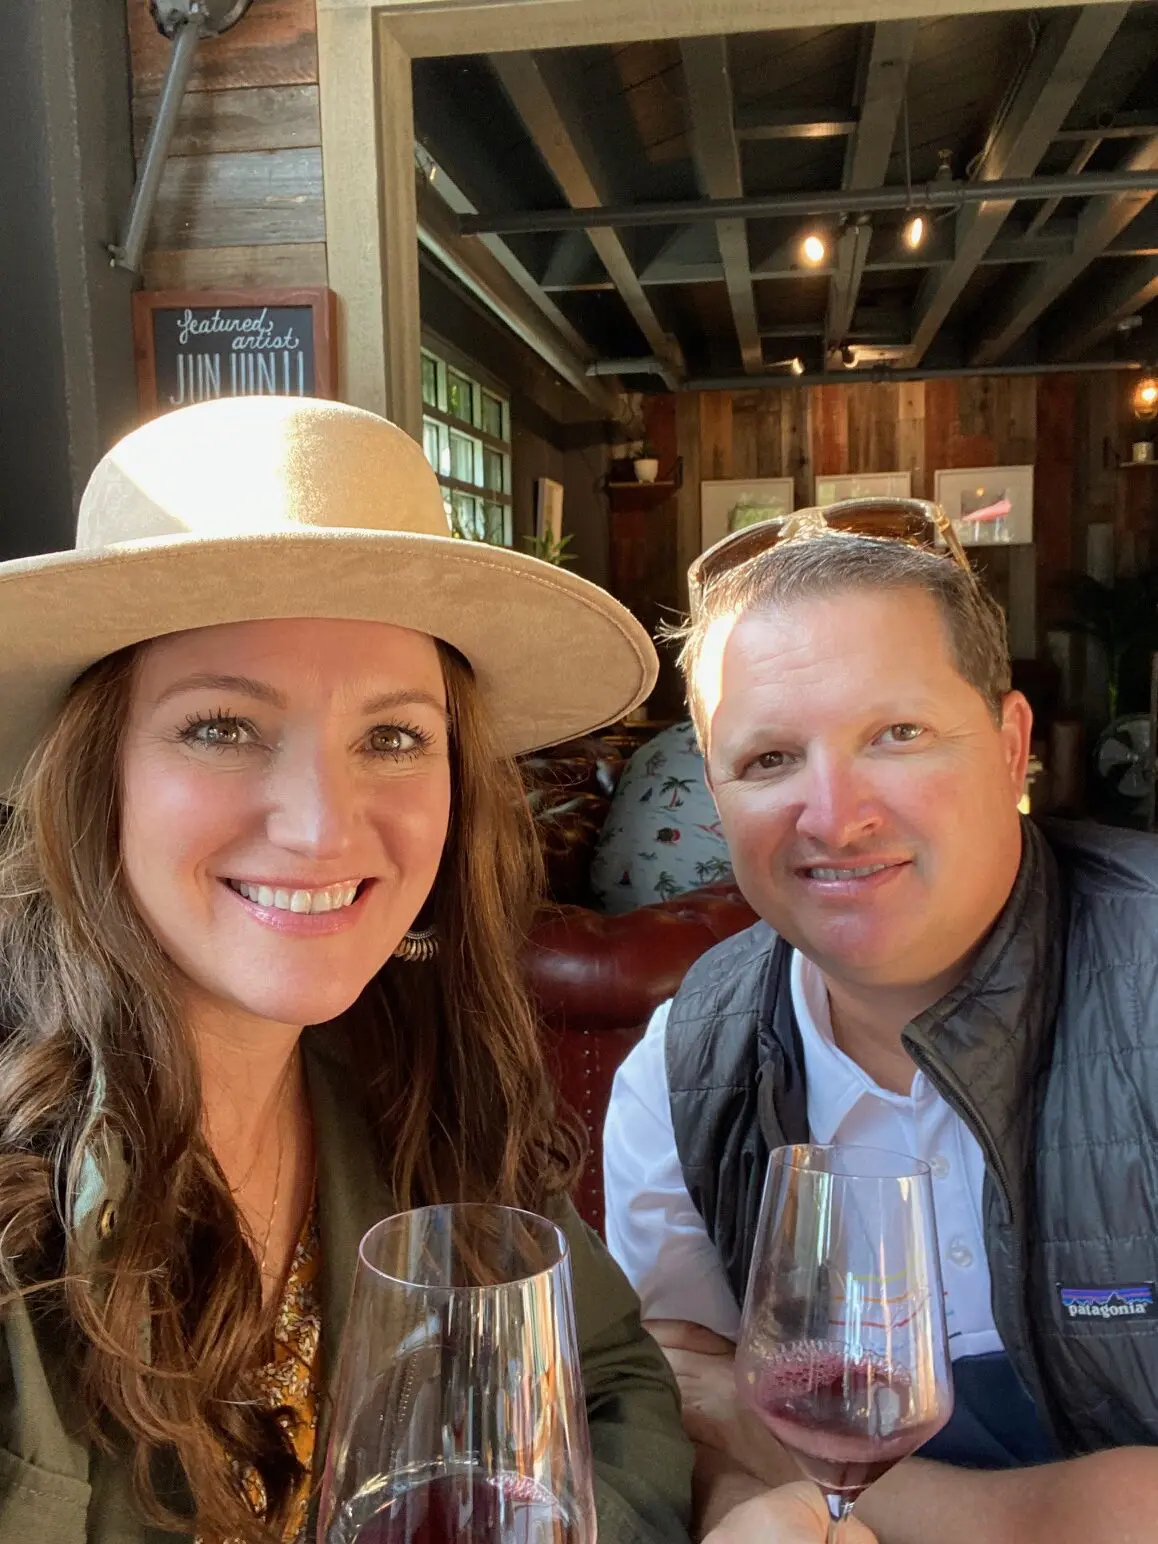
(646, 470)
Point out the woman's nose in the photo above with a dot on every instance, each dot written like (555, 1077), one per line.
(313, 802)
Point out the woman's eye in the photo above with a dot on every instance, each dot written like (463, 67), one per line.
(394, 740)
(218, 732)
(902, 734)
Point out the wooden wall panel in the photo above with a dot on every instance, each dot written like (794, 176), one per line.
(274, 44)
(911, 436)
(745, 429)
(1054, 453)
(244, 200)
(1071, 428)
(250, 118)
(274, 267)
(796, 444)
(240, 203)
(715, 434)
(829, 430)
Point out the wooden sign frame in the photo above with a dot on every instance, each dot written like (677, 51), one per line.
(320, 301)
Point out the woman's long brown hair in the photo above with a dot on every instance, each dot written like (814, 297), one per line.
(93, 1054)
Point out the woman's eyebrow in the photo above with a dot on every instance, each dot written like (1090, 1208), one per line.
(245, 686)
(261, 691)
(405, 697)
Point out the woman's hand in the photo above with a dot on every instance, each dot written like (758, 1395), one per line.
(790, 1514)
(704, 1365)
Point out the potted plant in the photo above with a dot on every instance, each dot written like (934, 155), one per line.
(646, 463)
(550, 548)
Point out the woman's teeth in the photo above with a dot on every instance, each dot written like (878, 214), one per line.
(847, 873)
(310, 901)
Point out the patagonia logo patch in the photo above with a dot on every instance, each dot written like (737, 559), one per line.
(1136, 1301)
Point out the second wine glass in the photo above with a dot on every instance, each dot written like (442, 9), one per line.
(843, 1351)
(459, 1416)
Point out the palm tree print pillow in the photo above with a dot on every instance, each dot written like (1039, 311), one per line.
(662, 835)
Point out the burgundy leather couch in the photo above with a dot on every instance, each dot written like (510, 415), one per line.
(597, 980)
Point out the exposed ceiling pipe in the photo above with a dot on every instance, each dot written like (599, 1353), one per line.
(875, 373)
(647, 366)
(828, 201)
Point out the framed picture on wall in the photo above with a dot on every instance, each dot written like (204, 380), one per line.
(728, 504)
(990, 506)
(864, 485)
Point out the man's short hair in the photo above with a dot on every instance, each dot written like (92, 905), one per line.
(816, 564)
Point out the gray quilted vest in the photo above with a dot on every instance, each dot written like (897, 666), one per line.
(1049, 1053)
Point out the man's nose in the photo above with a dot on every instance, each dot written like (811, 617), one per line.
(313, 801)
(839, 808)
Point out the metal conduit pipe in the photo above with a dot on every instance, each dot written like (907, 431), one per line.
(829, 201)
(647, 366)
(871, 373)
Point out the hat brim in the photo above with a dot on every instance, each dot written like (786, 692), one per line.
(555, 656)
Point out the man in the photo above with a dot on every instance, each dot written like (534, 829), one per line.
(932, 974)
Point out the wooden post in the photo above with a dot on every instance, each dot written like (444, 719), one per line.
(367, 118)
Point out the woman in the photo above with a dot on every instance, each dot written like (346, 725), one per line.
(257, 734)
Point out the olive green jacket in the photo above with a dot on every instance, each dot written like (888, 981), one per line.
(54, 1489)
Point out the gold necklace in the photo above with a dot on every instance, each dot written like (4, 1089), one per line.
(276, 1196)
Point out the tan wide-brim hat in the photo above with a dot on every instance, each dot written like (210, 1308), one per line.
(271, 507)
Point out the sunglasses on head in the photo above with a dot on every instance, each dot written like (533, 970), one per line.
(916, 522)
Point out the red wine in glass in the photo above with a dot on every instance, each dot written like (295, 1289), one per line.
(460, 1508)
(843, 1351)
(846, 1420)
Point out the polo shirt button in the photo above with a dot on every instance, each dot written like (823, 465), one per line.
(939, 1164)
(960, 1253)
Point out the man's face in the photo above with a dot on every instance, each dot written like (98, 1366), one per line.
(868, 798)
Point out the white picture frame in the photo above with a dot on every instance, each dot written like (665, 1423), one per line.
(548, 509)
(724, 500)
(863, 485)
(990, 506)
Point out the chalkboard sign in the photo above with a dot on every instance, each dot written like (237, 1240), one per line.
(195, 345)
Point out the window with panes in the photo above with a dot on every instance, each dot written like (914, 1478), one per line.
(466, 433)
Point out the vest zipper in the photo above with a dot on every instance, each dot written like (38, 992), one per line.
(957, 1099)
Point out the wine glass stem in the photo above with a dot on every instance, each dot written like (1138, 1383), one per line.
(838, 1509)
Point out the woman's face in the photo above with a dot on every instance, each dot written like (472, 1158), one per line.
(286, 797)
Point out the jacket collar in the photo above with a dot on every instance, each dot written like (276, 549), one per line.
(984, 1043)
(352, 1197)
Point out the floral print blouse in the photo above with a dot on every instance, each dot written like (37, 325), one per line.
(288, 1383)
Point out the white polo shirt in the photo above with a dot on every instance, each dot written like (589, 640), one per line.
(659, 1238)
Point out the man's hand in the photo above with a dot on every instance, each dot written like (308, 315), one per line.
(704, 1365)
(791, 1514)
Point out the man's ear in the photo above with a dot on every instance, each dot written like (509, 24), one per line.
(1016, 731)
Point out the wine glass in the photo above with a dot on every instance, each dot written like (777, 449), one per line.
(843, 1353)
(459, 1411)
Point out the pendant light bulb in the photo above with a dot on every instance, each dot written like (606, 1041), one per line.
(916, 229)
(814, 249)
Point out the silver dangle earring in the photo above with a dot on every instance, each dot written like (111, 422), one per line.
(418, 944)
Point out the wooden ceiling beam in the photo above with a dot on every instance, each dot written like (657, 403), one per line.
(881, 96)
(1062, 63)
(1136, 288)
(429, 28)
(756, 122)
(1100, 222)
(558, 135)
(509, 293)
(716, 152)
